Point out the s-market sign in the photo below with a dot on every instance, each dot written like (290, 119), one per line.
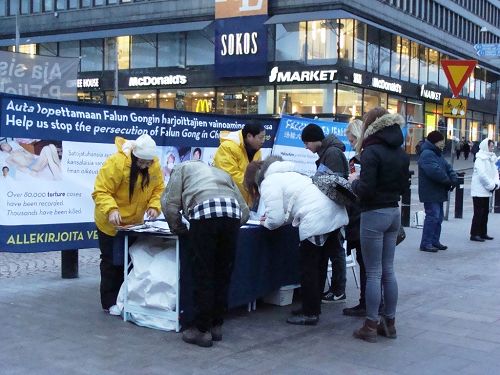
(277, 76)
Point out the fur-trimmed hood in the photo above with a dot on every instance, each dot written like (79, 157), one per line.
(385, 129)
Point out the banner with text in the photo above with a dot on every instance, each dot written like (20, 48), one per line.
(40, 76)
(288, 143)
(51, 151)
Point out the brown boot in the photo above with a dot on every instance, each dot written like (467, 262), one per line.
(387, 327)
(368, 332)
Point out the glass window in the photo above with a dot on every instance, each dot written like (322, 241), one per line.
(139, 99)
(36, 4)
(397, 104)
(48, 5)
(372, 53)
(346, 42)
(360, 45)
(47, 49)
(192, 100)
(349, 100)
(123, 52)
(385, 53)
(300, 99)
(405, 59)
(69, 49)
(28, 48)
(433, 66)
(60, 4)
(443, 81)
(415, 111)
(86, 3)
(200, 48)
(25, 6)
(372, 99)
(396, 56)
(92, 54)
(238, 100)
(290, 41)
(72, 4)
(322, 41)
(143, 54)
(171, 49)
(99, 2)
(422, 51)
(472, 84)
(3, 9)
(414, 62)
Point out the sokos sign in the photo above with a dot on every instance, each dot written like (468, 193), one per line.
(303, 76)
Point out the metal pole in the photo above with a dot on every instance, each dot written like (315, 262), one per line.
(459, 196)
(116, 71)
(18, 35)
(452, 161)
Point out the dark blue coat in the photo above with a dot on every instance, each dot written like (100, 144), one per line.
(435, 175)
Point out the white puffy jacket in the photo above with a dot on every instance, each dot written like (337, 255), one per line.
(290, 197)
(485, 175)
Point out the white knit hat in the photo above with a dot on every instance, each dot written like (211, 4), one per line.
(144, 148)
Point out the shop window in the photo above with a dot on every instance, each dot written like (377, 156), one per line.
(372, 99)
(405, 59)
(191, 100)
(349, 101)
(415, 112)
(172, 49)
(372, 50)
(29, 49)
(48, 5)
(72, 4)
(25, 6)
(472, 85)
(433, 64)
(443, 81)
(47, 49)
(304, 99)
(422, 52)
(60, 4)
(96, 97)
(69, 49)
(346, 41)
(138, 99)
(396, 56)
(237, 101)
(360, 45)
(385, 53)
(397, 104)
(143, 51)
(290, 41)
(92, 55)
(414, 62)
(474, 130)
(123, 43)
(200, 48)
(322, 41)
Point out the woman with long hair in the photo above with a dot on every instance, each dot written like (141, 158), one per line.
(128, 185)
(384, 177)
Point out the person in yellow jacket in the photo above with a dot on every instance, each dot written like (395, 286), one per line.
(128, 185)
(237, 150)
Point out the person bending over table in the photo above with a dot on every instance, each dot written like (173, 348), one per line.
(128, 185)
(215, 208)
(291, 197)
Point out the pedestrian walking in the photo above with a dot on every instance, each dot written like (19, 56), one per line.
(484, 182)
(435, 179)
(384, 177)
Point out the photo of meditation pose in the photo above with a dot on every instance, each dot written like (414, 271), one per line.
(35, 165)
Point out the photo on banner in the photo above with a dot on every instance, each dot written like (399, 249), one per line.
(53, 150)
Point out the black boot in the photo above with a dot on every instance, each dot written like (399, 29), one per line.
(358, 310)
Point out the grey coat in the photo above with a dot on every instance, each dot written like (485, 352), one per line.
(331, 155)
(192, 183)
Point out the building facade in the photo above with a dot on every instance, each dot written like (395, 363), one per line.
(331, 59)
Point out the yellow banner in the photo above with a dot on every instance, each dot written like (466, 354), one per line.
(239, 8)
(456, 108)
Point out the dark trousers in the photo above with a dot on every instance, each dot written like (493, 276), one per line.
(458, 152)
(213, 247)
(480, 218)
(336, 254)
(431, 232)
(362, 273)
(314, 264)
(111, 275)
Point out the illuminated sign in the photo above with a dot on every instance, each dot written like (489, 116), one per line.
(429, 94)
(157, 81)
(357, 78)
(83, 83)
(386, 85)
(301, 76)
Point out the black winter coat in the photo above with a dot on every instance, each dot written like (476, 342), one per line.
(384, 165)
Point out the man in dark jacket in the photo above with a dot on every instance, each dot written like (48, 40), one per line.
(331, 156)
(435, 179)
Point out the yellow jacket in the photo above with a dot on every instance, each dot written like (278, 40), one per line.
(111, 191)
(231, 157)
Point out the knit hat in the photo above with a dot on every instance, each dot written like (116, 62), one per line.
(434, 137)
(312, 133)
(144, 148)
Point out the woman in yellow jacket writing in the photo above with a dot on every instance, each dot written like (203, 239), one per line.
(128, 185)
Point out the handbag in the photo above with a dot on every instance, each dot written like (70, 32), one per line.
(335, 187)
(401, 235)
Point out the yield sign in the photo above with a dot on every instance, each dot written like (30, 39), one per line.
(457, 72)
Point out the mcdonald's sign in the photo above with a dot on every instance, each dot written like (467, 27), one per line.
(204, 106)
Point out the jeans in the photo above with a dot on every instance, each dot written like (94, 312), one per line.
(213, 247)
(479, 226)
(379, 230)
(432, 224)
